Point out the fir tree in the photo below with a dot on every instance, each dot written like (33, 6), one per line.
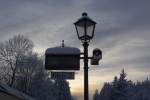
(122, 89)
(119, 88)
(105, 93)
(96, 95)
(62, 91)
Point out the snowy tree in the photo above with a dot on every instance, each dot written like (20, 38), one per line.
(11, 52)
(96, 95)
(26, 71)
(120, 88)
(62, 90)
(141, 90)
(23, 69)
(105, 92)
(42, 88)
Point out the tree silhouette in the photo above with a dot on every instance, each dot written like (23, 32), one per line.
(96, 95)
(119, 87)
(11, 52)
(123, 89)
(63, 90)
(23, 69)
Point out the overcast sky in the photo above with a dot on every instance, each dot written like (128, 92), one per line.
(122, 33)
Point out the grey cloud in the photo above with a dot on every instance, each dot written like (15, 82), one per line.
(51, 21)
(29, 17)
(122, 15)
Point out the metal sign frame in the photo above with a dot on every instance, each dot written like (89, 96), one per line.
(63, 75)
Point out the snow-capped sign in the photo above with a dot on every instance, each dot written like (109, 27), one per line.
(62, 58)
(63, 51)
(62, 75)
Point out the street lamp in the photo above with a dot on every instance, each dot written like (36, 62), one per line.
(85, 28)
(85, 31)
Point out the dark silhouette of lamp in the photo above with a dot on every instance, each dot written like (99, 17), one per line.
(85, 27)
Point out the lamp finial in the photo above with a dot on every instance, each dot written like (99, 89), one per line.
(84, 14)
(63, 44)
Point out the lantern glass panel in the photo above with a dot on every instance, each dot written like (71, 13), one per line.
(85, 29)
(90, 30)
(81, 31)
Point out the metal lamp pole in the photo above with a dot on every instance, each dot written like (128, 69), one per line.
(86, 88)
(85, 30)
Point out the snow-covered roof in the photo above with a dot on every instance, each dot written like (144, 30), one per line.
(5, 88)
(63, 50)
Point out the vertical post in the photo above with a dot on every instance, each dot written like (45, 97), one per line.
(86, 88)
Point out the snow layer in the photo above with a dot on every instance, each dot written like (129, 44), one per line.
(63, 50)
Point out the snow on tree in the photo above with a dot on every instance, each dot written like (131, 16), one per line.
(105, 92)
(119, 88)
(122, 89)
(11, 52)
(63, 90)
(42, 87)
(24, 70)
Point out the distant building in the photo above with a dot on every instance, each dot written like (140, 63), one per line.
(8, 93)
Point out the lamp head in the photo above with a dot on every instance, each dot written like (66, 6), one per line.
(85, 27)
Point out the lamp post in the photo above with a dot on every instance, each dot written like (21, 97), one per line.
(85, 31)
